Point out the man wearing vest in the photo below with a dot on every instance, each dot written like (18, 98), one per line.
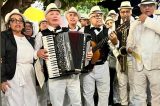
(99, 76)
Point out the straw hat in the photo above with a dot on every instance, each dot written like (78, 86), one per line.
(112, 12)
(125, 4)
(95, 9)
(51, 7)
(14, 11)
(72, 10)
(109, 18)
(147, 2)
(84, 16)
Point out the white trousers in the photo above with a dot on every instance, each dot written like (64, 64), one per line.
(140, 85)
(100, 77)
(59, 86)
(125, 79)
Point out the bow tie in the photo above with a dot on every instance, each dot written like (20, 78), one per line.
(98, 29)
(151, 16)
(57, 28)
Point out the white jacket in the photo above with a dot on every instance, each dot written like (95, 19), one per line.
(144, 39)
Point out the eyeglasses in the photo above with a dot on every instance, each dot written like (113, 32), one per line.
(124, 12)
(147, 5)
(16, 21)
(97, 16)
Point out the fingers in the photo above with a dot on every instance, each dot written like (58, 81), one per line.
(89, 55)
(42, 53)
(113, 38)
(5, 86)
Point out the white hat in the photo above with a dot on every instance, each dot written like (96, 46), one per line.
(84, 16)
(43, 20)
(95, 9)
(112, 12)
(109, 18)
(14, 11)
(147, 2)
(51, 7)
(72, 10)
(125, 4)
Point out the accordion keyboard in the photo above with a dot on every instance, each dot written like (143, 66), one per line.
(52, 66)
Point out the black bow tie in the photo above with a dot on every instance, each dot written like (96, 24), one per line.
(57, 28)
(151, 16)
(98, 29)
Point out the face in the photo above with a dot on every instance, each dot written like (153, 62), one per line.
(43, 25)
(147, 9)
(109, 23)
(96, 19)
(53, 18)
(72, 18)
(28, 29)
(84, 22)
(16, 23)
(125, 13)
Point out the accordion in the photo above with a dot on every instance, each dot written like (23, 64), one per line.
(66, 53)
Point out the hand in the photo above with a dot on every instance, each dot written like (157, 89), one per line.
(89, 55)
(5, 86)
(142, 17)
(130, 50)
(42, 54)
(113, 38)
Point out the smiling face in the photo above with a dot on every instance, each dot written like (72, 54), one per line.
(147, 9)
(16, 22)
(53, 18)
(96, 19)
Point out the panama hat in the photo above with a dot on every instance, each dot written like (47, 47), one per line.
(14, 11)
(147, 2)
(72, 10)
(125, 4)
(95, 9)
(52, 7)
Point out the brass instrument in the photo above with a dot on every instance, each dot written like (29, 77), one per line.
(121, 54)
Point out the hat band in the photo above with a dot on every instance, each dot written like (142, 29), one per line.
(125, 7)
(147, 1)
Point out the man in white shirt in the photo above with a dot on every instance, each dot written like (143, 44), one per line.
(144, 44)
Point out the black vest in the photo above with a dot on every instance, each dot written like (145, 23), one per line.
(104, 50)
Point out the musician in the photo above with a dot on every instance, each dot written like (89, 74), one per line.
(144, 41)
(58, 86)
(100, 73)
(73, 17)
(113, 14)
(43, 25)
(125, 76)
(84, 20)
(18, 76)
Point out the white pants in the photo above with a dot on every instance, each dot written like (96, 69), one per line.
(140, 85)
(58, 87)
(100, 77)
(125, 78)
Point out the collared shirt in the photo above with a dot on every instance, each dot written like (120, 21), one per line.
(75, 29)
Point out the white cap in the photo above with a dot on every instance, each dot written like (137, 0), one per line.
(109, 18)
(14, 11)
(112, 12)
(84, 16)
(72, 10)
(95, 9)
(147, 2)
(51, 7)
(125, 4)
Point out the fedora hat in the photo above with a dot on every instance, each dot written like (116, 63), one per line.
(108, 18)
(84, 16)
(125, 4)
(14, 11)
(52, 7)
(95, 9)
(147, 2)
(72, 10)
(112, 12)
